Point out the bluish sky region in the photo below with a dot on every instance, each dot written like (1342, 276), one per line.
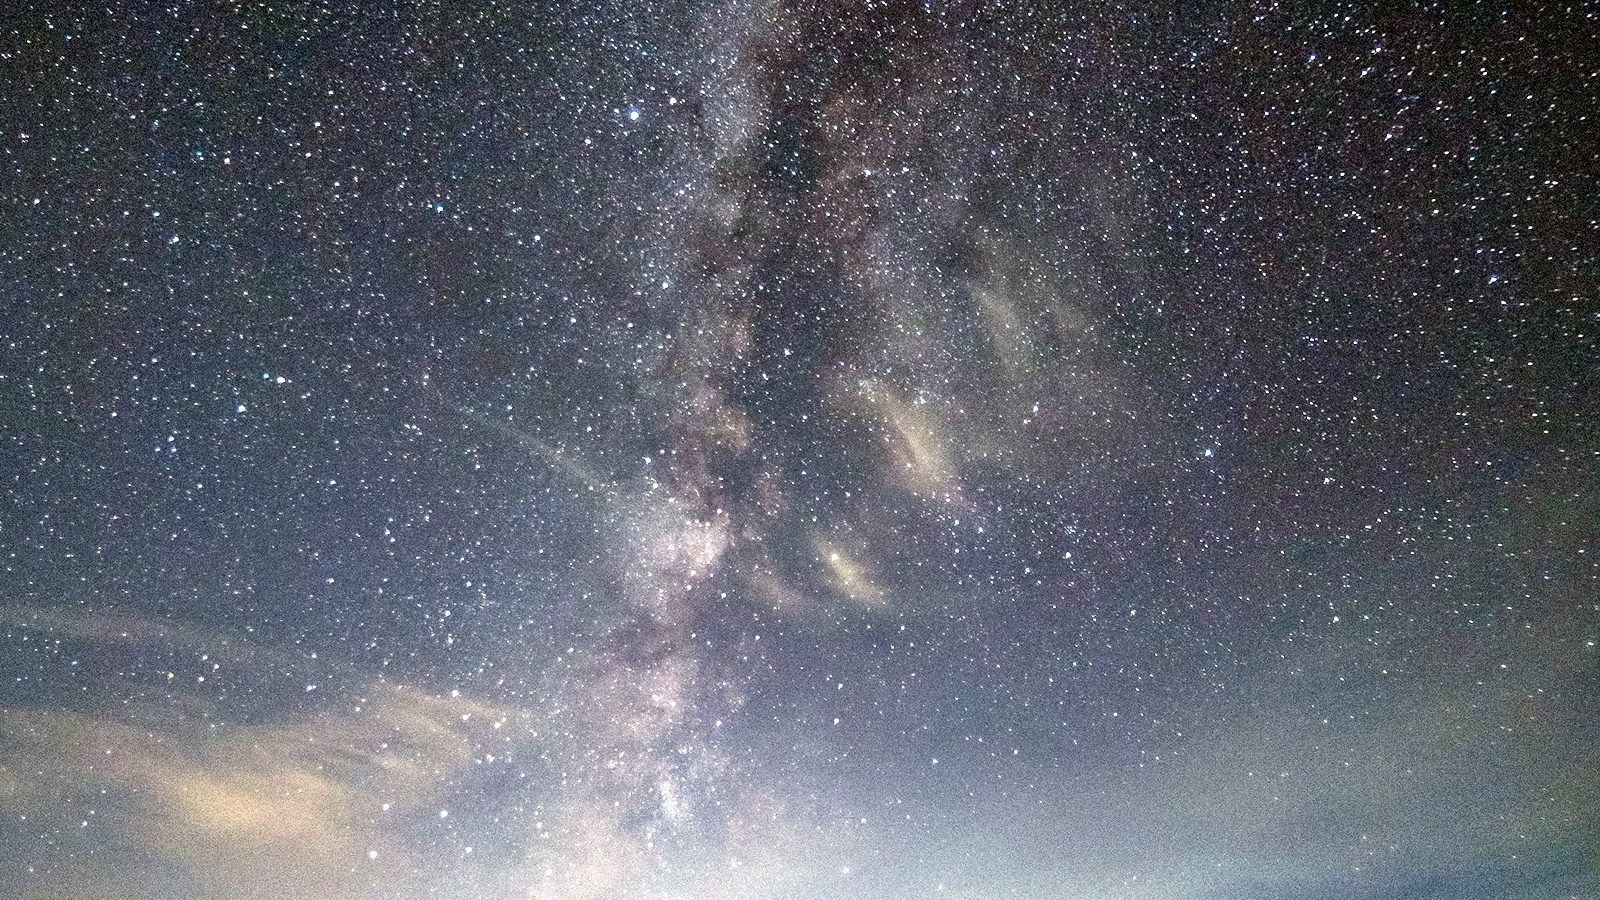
(799, 450)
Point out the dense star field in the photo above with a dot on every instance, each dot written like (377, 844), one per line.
(799, 450)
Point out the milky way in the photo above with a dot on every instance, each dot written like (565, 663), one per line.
(799, 450)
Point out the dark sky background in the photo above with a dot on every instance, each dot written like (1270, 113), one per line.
(799, 450)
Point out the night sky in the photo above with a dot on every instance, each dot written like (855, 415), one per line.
(799, 450)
